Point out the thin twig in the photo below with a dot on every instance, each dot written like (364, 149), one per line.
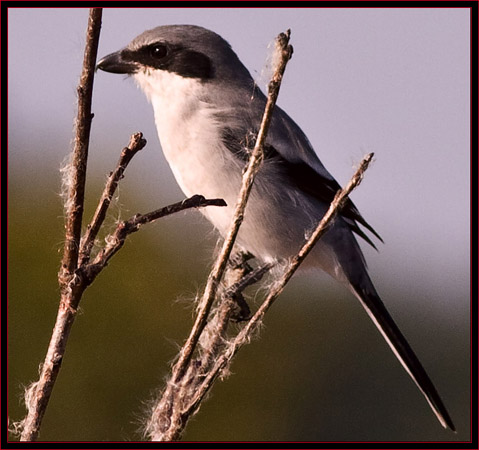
(76, 192)
(117, 239)
(137, 142)
(165, 423)
(214, 338)
(252, 169)
(243, 336)
(39, 393)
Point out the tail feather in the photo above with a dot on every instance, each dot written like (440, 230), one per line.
(403, 351)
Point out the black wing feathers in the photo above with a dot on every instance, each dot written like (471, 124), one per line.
(310, 181)
(303, 176)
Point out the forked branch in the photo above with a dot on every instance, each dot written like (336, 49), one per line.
(77, 272)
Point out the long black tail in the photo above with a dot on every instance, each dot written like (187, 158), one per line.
(403, 351)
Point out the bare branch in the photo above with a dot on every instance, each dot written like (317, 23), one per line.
(162, 425)
(76, 274)
(137, 142)
(245, 334)
(76, 194)
(116, 240)
(252, 169)
(39, 392)
(173, 408)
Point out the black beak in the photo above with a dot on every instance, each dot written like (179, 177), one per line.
(119, 62)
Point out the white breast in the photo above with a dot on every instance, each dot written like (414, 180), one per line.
(190, 137)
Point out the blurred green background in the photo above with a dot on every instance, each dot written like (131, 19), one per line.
(320, 370)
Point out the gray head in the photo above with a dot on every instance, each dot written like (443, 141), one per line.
(187, 50)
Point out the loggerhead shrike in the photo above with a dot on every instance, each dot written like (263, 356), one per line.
(207, 112)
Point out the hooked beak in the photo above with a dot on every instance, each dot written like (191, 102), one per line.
(118, 62)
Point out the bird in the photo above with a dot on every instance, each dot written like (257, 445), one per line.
(207, 109)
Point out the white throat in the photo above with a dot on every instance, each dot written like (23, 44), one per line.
(190, 135)
(176, 103)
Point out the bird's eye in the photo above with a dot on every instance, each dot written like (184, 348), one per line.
(158, 51)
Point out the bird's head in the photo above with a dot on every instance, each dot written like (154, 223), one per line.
(188, 51)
